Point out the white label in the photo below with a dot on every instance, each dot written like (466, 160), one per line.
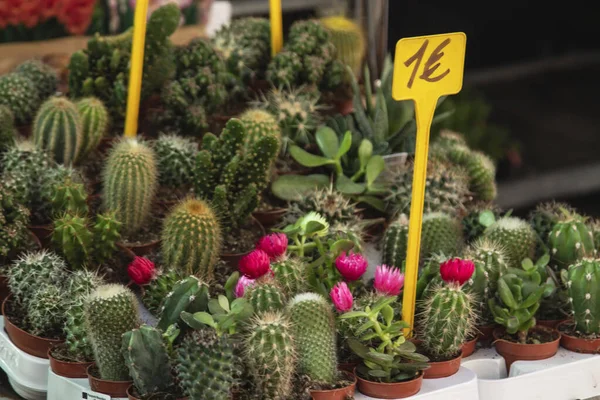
(89, 395)
(395, 160)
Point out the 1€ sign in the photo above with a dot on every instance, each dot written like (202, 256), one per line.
(425, 68)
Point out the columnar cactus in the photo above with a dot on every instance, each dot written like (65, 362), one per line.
(20, 95)
(94, 123)
(441, 233)
(270, 355)
(157, 291)
(146, 357)
(291, 275)
(110, 311)
(106, 232)
(14, 220)
(42, 75)
(130, 180)
(259, 123)
(69, 196)
(8, 132)
(516, 237)
(313, 329)
(395, 241)
(73, 239)
(349, 40)
(175, 159)
(583, 283)
(570, 241)
(447, 319)
(189, 294)
(266, 297)
(191, 239)
(57, 128)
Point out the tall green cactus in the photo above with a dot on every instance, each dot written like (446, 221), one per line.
(270, 355)
(291, 274)
(583, 285)
(570, 241)
(106, 232)
(447, 319)
(516, 236)
(266, 297)
(191, 239)
(313, 327)
(349, 40)
(189, 294)
(72, 236)
(395, 241)
(146, 357)
(130, 180)
(110, 311)
(69, 196)
(94, 123)
(57, 128)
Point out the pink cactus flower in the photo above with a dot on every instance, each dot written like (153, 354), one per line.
(141, 270)
(388, 280)
(341, 297)
(275, 245)
(255, 264)
(243, 283)
(457, 270)
(351, 266)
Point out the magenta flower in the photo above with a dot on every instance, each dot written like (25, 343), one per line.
(457, 270)
(388, 280)
(141, 270)
(275, 245)
(351, 266)
(255, 264)
(341, 297)
(243, 283)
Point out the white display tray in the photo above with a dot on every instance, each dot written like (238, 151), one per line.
(61, 388)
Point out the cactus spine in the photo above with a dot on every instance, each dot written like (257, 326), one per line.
(130, 180)
(57, 128)
(94, 123)
(349, 40)
(395, 241)
(313, 327)
(110, 311)
(270, 356)
(266, 297)
(583, 283)
(290, 275)
(191, 239)
(569, 241)
(516, 236)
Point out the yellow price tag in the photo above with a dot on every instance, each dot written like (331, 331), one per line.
(276, 26)
(425, 68)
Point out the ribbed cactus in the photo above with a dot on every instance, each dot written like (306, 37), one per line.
(43, 76)
(570, 241)
(291, 275)
(395, 241)
(8, 132)
(106, 232)
(189, 294)
(516, 237)
(270, 355)
(441, 233)
(313, 328)
(130, 180)
(492, 256)
(110, 311)
(69, 196)
(57, 128)
(349, 40)
(46, 310)
(583, 284)
(157, 291)
(73, 239)
(19, 93)
(266, 297)
(259, 123)
(206, 365)
(94, 123)
(480, 169)
(146, 357)
(191, 239)
(175, 159)
(447, 319)
(546, 215)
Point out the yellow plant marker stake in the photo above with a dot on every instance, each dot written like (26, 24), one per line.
(276, 26)
(136, 68)
(425, 68)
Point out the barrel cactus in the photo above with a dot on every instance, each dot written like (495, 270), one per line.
(43, 76)
(46, 311)
(516, 236)
(395, 241)
(583, 283)
(14, 220)
(20, 94)
(441, 233)
(328, 202)
(106, 232)
(266, 297)
(570, 240)
(94, 123)
(349, 40)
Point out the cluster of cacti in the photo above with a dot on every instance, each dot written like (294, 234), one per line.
(130, 183)
(8, 132)
(259, 123)
(395, 242)
(266, 297)
(189, 294)
(42, 75)
(570, 240)
(440, 233)
(328, 202)
(477, 219)
(157, 291)
(245, 46)
(94, 123)
(291, 275)
(546, 215)
(20, 95)
(102, 69)
(191, 239)
(583, 282)
(14, 219)
(308, 57)
(110, 311)
(174, 159)
(516, 236)
(349, 40)
(230, 179)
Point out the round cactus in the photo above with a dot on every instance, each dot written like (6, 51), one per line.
(130, 179)
(57, 128)
(583, 284)
(328, 202)
(291, 275)
(473, 225)
(259, 123)
(266, 297)
(569, 241)
(20, 95)
(349, 40)
(449, 139)
(191, 239)
(482, 176)
(175, 158)
(440, 233)
(8, 132)
(46, 311)
(492, 255)
(94, 123)
(43, 76)
(313, 328)
(270, 356)
(546, 215)
(110, 311)
(395, 241)
(516, 237)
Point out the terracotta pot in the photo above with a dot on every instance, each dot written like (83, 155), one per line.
(512, 351)
(442, 369)
(233, 259)
(486, 333)
(111, 388)
(344, 107)
(577, 344)
(468, 348)
(68, 369)
(549, 323)
(337, 394)
(269, 218)
(142, 249)
(30, 344)
(131, 396)
(398, 390)
(42, 232)
(348, 366)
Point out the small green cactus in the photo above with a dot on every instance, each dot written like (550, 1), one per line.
(69, 196)
(270, 355)
(43, 76)
(516, 237)
(8, 132)
(259, 123)
(479, 216)
(441, 233)
(266, 297)
(480, 169)
(291, 275)
(313, 329)
(57, 129)
(94, 123)
(20, 95)
(546, 215)
(191, 239)
(395, 241)
(110, 311)
(331, 204)
(46, 311)
(175, 159)
(106, 232)
(189, 294)
(492, 256)
(14, 220)
(570, 241)
(146, 357)
(157, 291)
(583, 283)
(73, 239)
(349, 40)
(130, 180)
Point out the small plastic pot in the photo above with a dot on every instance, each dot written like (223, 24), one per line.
(486, 333)
(68, 369)
(469, 347)
(549, 323)
(337, 394)
(348, 366)
(269, 218)
(397, 390)
(512, 351)
(111, 388)
(442, 369)
(577, 344)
